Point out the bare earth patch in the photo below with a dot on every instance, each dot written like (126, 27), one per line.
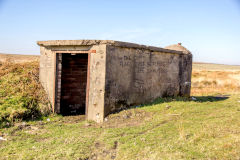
(131, 117)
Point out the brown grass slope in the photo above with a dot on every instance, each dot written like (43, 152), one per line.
(21, 95)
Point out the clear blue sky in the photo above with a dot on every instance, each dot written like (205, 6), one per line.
(209, 28)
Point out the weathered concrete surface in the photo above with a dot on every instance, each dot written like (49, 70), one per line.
(120, 74)
(95, 110)
(136, 76)
(47, 71)
(74, 43)
(178, 47)
(49, 76)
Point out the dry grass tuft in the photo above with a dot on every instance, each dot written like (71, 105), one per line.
(215, 81)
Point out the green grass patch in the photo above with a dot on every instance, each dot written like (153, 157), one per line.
(174, 128)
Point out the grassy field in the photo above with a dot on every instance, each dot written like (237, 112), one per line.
(214, 79)
(205, 127)
(16, 58)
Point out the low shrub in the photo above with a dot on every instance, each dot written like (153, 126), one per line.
(21, 95)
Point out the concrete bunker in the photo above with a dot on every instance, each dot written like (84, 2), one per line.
(98, 77)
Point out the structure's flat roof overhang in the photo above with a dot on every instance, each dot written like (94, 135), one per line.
(55, 43)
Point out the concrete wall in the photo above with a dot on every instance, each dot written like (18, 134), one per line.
(47, 71)
(185, 74)
(136, 76)
(95, 110)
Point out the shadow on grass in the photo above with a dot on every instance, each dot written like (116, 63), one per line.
(211, 98)
(200, 99)
(8, 124)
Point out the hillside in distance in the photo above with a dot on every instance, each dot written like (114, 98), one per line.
(18, 58)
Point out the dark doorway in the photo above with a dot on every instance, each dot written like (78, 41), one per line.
(73, 84)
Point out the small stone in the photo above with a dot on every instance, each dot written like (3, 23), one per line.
(2, 139)
(194, 99)
(97, 145)
(93, 157)
(167, 106)
(34, 128)
(125, 116)
(115, 145)
(87, 124)
(105, 153)
(22, 125)
(41, 123)
(113, 157)
(105, 119)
